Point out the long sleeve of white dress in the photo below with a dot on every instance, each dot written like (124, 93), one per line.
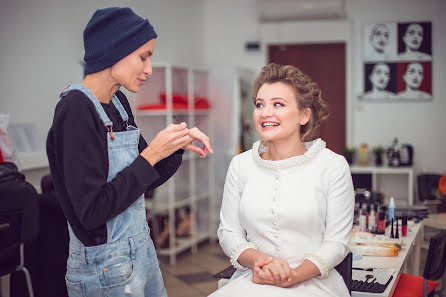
(338, 222)
(231, 234)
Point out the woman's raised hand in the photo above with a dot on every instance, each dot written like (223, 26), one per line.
(196, 134)
(166, 142)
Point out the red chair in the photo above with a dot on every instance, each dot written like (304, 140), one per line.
(412, 285)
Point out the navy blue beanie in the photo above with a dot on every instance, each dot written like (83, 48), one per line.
(112, 34)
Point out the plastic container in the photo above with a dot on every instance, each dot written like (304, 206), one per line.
(372, 221)
(391, 210)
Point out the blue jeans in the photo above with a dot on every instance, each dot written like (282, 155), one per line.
(115, 269)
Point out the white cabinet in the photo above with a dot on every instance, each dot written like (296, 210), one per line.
(180, 93)
(382, 171)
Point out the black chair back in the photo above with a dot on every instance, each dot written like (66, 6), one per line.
(427, 186)
(19, 221)
(11, 226)
(345, 270)
(436, 257)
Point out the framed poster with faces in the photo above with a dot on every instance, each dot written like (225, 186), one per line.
(397, 59)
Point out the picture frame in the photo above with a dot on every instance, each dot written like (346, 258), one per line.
(397, 61)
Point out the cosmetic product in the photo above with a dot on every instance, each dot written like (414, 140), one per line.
(372, 220)
(391, 229)
(384, 211)
(391, 209)
(377, 211)
(367, 216)
(397, 235)
(382, 223)
(365, 269)
(362, 221)
(363, 217)
(404, 226)
(176, 119)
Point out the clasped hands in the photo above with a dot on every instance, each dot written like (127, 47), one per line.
(273, 271)
(173, 138)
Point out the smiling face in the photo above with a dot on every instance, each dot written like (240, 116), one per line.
(413, 36)
(380, 76)
(276, 113)
(379, 37)
(133, 70)
(414, 75)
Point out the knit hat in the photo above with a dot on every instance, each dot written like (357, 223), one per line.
(111, 35)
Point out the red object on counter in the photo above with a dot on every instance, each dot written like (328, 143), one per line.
(404, 227)
(382, 222)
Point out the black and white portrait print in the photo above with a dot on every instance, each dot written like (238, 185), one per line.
(380, 42)
(415, 41)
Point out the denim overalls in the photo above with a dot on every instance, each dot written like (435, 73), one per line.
(127, 264)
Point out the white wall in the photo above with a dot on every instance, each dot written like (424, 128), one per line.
(420, 124)
(41, 47)
(41, 44)
(228, 26)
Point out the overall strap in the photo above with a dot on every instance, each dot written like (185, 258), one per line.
(100, 110)
(120, 108)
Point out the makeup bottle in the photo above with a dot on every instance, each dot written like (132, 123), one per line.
(391, 209)
(362, 221)
(364, 213)
(382, 223)
(404, 226)
(377, 215)
(367, 216)
(372, 220)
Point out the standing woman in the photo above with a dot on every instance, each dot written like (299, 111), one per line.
(101, 165)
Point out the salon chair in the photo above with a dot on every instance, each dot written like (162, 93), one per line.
(344, 269)
(47, 254)
(434, 269)
(19, 222)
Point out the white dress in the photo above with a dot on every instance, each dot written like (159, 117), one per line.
(298, 208)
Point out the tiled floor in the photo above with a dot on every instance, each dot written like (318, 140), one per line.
(192, 274)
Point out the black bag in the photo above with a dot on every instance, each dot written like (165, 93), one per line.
(9, 172)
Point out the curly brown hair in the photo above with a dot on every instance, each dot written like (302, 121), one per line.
(308, 94)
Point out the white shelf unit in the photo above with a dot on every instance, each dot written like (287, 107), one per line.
(375, 171)
(31, 161)
(193, 185)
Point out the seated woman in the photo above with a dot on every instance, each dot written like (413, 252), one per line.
(287, 209)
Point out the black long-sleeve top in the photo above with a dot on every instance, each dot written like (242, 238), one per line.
(78, 158)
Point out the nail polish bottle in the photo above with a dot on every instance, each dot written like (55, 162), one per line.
(404, 226)
(382, 223)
